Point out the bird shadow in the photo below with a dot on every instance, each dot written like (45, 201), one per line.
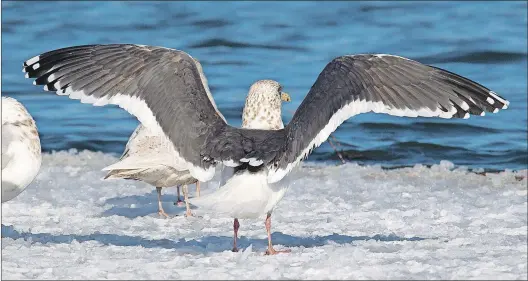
(202, 245)
(134, 206)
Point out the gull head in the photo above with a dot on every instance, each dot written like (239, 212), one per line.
(263, 106)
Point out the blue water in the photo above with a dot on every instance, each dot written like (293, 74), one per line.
(241, 42)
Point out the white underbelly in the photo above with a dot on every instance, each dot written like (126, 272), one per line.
(20, 171)
(245, 195)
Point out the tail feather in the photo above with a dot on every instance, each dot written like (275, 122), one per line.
(243, 196)
(128, 174)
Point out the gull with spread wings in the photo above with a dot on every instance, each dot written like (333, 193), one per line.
(164, 89)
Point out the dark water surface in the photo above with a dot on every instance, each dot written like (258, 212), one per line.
(239, 43)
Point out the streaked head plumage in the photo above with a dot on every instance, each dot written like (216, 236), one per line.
(263, 105)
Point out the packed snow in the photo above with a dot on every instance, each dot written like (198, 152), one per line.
(341, 222)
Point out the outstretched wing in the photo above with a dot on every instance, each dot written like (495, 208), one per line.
(351, 85)
(164, 88)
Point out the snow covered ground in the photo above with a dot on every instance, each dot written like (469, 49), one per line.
(341, 222)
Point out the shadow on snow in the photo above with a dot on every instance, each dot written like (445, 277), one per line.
(200, 245)
(144, 205)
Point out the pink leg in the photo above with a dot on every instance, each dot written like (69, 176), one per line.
(270, 250)
(236, 225)
(161, 212)
(179, 202)
(186, 197)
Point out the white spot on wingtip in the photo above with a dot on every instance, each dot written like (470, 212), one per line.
(483, 113)
(26, 75)
(46, 88)
(464, 105)
(244, 160)
(495, 110)
(493, 94)
(466, 116)
(506, 104)
(32, 60)
(34, 82)
(490, 100)
(36, 65)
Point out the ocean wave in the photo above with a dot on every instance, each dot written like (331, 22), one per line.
(485, 57)
(220, 42)
(405, 154)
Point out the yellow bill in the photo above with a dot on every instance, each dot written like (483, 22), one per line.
(285, 96)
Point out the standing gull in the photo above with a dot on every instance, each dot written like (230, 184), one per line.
(163, 88)
(21, 152)
(261, 111)
(150, 157)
